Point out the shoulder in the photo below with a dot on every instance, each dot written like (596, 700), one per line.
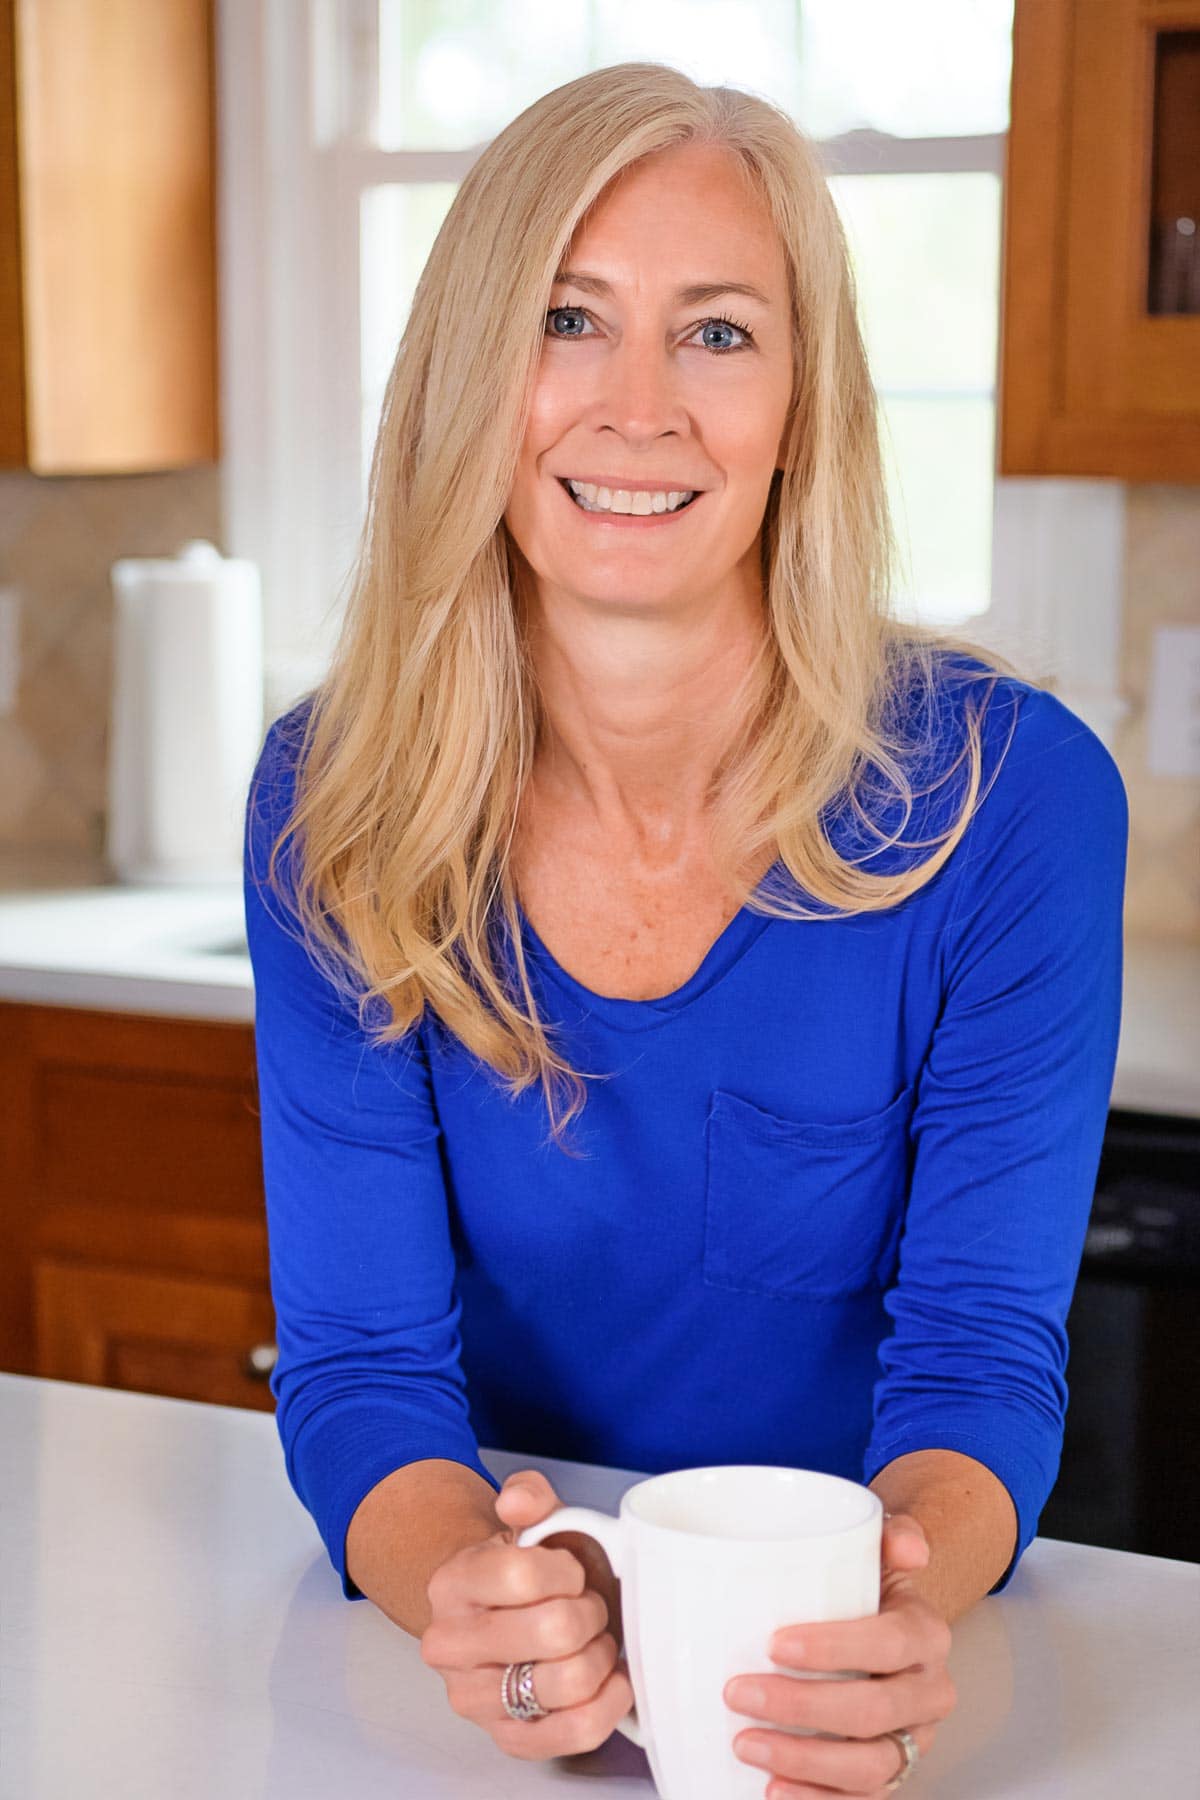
(271, 797)
(273, 782)
(1043, 761)
(1042, 776)
(1038, 756)
(279, 754)
(1048, 833)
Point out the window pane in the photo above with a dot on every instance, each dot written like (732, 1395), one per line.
(454, 72)
(717, 42)
(940, 460)
(926, 254)
(915, 68)
(454, 75)
(398, 225)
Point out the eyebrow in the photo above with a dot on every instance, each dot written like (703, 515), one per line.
(695, 294)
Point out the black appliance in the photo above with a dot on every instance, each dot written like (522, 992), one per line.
(1130, 1476)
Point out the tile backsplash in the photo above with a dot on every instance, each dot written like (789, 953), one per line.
(58, 540)
(60, 537)
(1162, 587)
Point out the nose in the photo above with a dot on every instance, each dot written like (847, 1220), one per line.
(640, 393)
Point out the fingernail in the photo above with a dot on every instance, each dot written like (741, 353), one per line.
(785, 1643)
(753, 1750)
(746, 1696)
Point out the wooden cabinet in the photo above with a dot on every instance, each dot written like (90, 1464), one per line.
(108, 340)
(1100, 367)
(160, 1334)
(133, 1246)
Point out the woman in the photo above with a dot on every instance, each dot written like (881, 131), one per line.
(826, 909)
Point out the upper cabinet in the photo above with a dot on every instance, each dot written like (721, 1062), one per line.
(108, 338)
(1100, 324)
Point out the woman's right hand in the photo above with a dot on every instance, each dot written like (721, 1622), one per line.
(555, 1607)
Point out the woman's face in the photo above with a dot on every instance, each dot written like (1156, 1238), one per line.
(641, 387)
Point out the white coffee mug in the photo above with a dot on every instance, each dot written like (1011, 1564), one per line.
(712, 1562)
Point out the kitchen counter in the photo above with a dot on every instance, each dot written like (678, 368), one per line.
(170, 1624)
(181, 951)
(175, 950)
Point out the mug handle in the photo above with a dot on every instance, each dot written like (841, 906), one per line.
(607, 1532)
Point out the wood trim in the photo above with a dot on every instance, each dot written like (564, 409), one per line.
(1031, 253)
(12, 303)
(87, 1037)
(189, 1244)
(18, 1201)
(1126, 449)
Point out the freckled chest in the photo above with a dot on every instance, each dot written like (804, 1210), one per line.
(627, 933)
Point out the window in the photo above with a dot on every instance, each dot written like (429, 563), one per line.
(346, 126)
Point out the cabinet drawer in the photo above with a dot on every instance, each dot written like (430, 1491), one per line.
(159, 1334)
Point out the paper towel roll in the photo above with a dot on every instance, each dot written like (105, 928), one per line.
(187, 714)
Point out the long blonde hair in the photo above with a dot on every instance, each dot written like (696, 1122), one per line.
(416, 745)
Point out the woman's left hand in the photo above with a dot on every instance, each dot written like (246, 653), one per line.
(903, 1648)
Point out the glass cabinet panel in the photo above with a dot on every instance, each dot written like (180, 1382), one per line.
(1174, 273)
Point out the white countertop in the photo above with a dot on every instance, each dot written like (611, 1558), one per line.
(181, 951)
(174, 950)
(170, 1625)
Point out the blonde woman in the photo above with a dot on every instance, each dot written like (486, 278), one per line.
(687, 997)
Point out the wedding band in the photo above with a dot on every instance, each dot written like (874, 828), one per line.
(907, 1746)
(517, 1695)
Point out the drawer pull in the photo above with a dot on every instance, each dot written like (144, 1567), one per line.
(260, 1360)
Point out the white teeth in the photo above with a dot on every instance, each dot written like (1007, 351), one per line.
(621, 500)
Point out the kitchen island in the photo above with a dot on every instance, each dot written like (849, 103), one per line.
(170, 1626)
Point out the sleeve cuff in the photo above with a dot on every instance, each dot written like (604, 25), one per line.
(1009, 1461)
(336, 1461)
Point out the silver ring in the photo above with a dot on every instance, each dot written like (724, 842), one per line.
(907, 1746)
(517, 1695)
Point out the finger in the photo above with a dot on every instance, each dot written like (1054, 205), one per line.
(856, 1768)
(541, 1633)
(905, 1545)
(504, 1634)
(571, 1731)
(558, 1685)
(908, 1632)
(495, 1573)
(525, 1498)
(856, 1709)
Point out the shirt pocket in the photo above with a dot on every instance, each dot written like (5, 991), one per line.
(803, 1210)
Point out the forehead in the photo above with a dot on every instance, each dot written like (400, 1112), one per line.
(675, 210)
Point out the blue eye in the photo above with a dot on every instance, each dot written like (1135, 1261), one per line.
(720, 322)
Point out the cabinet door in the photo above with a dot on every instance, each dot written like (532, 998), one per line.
(108, 292)
(1097, 376)
(127, 1142)
(159, 1334)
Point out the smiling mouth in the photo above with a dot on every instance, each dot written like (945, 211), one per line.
(606, 512)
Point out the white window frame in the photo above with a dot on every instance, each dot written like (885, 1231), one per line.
(288, 257)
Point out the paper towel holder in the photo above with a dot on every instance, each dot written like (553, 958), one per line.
(187, 715)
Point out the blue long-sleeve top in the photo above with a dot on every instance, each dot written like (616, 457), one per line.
(834, 1193)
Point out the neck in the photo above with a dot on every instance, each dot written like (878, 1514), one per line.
(638, 709)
